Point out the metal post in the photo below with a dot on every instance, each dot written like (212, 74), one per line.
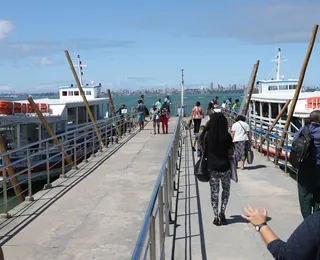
(93, 154)
(75, 167)
(5, 213)
(268, 149)
(261, 137)
(152, 232)
(63, 170)
(286, 156)
(48, 185)
(276, 153)
(29, 197)
(255, 134)
(166, 201)
(161, 222)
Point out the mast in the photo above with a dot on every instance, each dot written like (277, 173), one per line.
(80, 66)
(278, 60)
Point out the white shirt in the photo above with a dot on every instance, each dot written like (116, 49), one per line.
(240, 130)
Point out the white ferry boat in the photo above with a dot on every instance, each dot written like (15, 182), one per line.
(273, 94)
(20, 125)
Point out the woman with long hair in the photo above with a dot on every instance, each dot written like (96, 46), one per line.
(218, 148)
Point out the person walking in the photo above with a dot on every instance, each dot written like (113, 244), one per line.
(141, 111)
(240, 132)
(308, 177)
(164, 117)
(158, 104)
(217, 147)
(197, 115)
(168, 102)
(155, 118)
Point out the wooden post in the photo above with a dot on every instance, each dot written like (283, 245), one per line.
(48, 129)
(299, 85)
(277, 119)
(251, 87)
(84, 98)
(114, 112)
(6, 161)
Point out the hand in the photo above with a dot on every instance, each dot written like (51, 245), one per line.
(254, 216)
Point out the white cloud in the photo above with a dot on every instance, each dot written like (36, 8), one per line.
(254, 21)
(6, 26)
(43, 61)
(26, 49)
(6, 87)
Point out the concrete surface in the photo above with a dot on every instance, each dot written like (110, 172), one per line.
(260, 185)
(101, 216)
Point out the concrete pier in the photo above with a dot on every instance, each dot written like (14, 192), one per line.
(101, 216)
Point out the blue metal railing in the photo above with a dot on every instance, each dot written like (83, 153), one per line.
(160, 203)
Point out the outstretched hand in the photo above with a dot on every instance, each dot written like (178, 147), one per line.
(255, 216)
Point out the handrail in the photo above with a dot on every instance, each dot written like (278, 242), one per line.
(167, 178)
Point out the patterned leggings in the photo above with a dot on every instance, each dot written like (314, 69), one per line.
(215, 178)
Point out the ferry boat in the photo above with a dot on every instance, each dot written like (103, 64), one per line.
(20, 125)
(272, 95)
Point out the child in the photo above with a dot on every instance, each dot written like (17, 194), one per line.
(196, 141)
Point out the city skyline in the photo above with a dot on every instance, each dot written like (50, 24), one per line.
(131, 45)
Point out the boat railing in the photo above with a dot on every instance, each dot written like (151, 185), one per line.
(267, 141)
(152, 237)
(22, 166)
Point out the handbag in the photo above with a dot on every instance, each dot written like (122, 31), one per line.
(201, 170)
(233, 168)
(250, 156)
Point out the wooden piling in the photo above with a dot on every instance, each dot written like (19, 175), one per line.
(299, 86)
(6, 161)
(48, 129)
(84, 99)
(114, 113)
(252, 87)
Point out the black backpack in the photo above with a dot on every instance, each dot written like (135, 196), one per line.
(301, 148)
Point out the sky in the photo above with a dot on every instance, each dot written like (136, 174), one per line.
(144, 44)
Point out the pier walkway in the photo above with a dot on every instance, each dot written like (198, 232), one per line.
(100, 217)
(260, 185)
(106, 212)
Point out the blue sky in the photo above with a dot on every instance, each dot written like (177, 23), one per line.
(139, 44)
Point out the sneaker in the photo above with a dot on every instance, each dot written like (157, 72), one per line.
(223, 219)
(216, 221)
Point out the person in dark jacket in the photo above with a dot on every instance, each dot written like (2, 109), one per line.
(308, 176)
(303, 244)
(217, 147)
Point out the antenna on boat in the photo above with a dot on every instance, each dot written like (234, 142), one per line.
(80, 65)
(278, 60)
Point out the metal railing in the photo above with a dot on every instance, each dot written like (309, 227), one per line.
(160, 205)
(268, 146)
(24, 166)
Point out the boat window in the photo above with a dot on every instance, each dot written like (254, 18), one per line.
(283, 87)
(273, 87)
(274, 110)
(292, 86)
(70, 93)
(88, 92)
(64, 93)
(76, 93)
(257, 104)
(265, 110)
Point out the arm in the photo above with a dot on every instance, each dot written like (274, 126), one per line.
(302, 244)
